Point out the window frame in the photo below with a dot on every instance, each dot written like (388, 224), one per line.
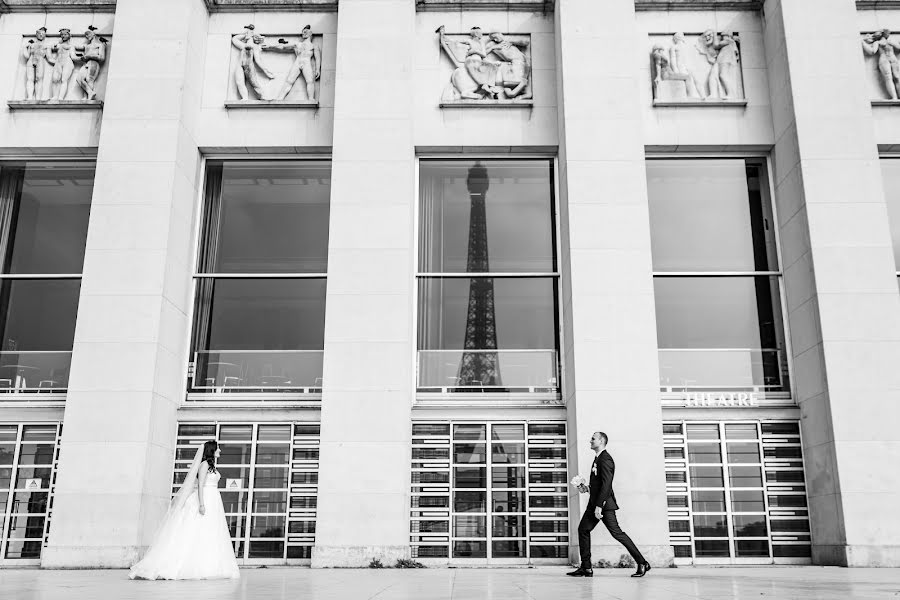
(488, 397)
(311, 397)
(882, 157)
(764, 160)
(37, 396)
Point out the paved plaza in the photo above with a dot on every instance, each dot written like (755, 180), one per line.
(457, 584)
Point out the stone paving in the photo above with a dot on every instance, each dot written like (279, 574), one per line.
(550, 583)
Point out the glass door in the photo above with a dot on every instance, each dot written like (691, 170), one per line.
(489, 493)
(269, 485)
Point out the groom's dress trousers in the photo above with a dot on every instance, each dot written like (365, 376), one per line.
(601, 494)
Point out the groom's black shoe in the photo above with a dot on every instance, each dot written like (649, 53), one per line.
(641, 570)
(581, 572)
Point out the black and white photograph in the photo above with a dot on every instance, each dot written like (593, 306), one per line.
(449, 299)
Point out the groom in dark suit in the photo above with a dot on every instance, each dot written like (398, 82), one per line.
(602, 506)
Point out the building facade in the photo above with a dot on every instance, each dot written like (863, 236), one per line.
(402, 258)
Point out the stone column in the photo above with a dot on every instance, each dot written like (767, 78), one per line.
(369, 338)
(843, 306)
(128, 371)
(612, 381)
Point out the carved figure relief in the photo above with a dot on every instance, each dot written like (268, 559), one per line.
(262, 80)
(61, 70)
(708, 70)
(883, 50)
(487, 69)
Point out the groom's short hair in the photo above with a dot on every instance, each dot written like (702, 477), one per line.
(604, 439)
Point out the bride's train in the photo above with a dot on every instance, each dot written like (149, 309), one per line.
(189, 545)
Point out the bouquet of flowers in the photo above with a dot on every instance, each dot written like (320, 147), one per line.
(580, 483)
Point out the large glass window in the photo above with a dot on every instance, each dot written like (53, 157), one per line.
(260, 285)
(890, 172)
(740, 496)
(487, 277)
(44, 212)
(489, 492)
(716, 276)
(28, 458)
(269, 484)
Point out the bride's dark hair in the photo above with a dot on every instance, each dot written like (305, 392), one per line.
(209, 454)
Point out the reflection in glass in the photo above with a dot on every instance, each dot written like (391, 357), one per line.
(504, 502)
(508, 477)
(711, 548)
(742, 477)
(508, 453)
(708, 501)
(743, 452)
(721, 332)
(506, 526)
(48, 229)
(518, 201)
(508, 549)
(710, 215)
(469, 526)
(750, 525)
(469, 549)
(752, 548)
(469, 432)
(704, 453)
(470, 477)
(37, 329)
(469, 453)
(710, 526)
(267, 217)
(706, 477)
(469, 502)
(507, 432)
(525, 329)
(259, 333)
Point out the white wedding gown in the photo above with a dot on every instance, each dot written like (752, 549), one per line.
(189, 545)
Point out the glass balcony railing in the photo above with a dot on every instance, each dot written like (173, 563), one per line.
(257, 370)
(34, 371)
(488, 370)
(753, 369)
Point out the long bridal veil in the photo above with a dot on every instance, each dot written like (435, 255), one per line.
(189, 484)
(165, 549)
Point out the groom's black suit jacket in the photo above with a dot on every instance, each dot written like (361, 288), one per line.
(602, 472)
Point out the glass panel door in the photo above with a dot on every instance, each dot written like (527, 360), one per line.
(489, 492)
(269, 485)
(736, 492)
(28, 460)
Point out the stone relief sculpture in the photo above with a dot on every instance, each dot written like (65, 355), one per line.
(59, 59)
(487, 68)
(307, 62)
(879, 44)
(250, 46)
(93, 57)
(38, 60)
(721, 53)
(303, 58)
(708, 70)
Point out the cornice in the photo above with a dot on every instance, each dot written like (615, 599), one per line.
(56, 5)
(256, 5)
(508, 5)
(647, 5)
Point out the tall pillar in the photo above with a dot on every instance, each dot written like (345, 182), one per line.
(368, 377)
(129, 357)
(612, 381)
(843, 306)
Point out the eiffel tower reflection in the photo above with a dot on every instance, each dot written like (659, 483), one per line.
(479, 367)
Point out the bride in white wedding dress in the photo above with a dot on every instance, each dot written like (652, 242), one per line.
(193, 541)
